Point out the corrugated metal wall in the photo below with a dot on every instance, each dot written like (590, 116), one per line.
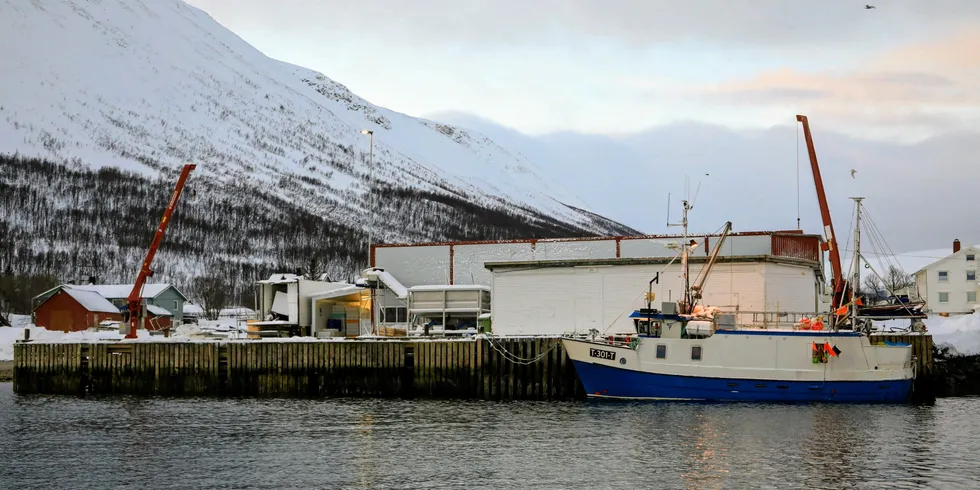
(799, 247)
(789, 288)
(414, 266)
(468, 260)
(462, 263)
(562, 299)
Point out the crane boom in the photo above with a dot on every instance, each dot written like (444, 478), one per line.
(135, 306)
(703, 275)
(838, 282)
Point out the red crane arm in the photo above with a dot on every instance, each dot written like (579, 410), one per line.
(145, 271)
(831, 245)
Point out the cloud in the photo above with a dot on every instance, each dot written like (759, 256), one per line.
(488, 23)
(917, 87)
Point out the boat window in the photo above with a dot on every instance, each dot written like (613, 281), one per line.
(696, 353)
(661, 351)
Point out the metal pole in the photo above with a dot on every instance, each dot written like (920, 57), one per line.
(371, 206)
(857, 260)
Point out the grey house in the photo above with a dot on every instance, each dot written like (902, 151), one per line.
(165, 296)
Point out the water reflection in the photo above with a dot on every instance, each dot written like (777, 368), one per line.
(705, 459)
(62, 442)
(365, 458)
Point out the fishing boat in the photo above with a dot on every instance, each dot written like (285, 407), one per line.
(687, 351)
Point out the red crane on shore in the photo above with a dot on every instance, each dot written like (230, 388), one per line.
(841, 286)
(135, 296)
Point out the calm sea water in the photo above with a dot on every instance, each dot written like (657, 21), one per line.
(148, 443)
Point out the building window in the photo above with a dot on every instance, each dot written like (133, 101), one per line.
(696, 353)
(394, 314)
(970, 257)
(661, 351)
(944, 297)
(943, 276)
(971, 296)
(971, 275)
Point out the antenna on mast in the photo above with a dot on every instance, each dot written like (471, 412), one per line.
(668, 210)
(686, 246)
(697, 192)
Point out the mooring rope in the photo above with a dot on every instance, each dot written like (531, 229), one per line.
(519, 360)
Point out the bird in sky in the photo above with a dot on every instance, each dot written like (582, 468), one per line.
(853, 172)
(869, 7)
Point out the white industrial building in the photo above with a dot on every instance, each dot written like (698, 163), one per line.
(952, 283)
(294, 304)
(556, 297)
(560, 285)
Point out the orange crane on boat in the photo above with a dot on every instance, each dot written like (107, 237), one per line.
(135, 296)
(838, 283)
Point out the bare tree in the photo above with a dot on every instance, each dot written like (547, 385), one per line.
(894, 281)
(212, 293)
(4, 312)
(873, 287)
(314, 268)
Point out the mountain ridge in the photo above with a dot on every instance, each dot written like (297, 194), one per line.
(98, 96)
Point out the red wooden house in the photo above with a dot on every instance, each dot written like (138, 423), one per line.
(69, 309)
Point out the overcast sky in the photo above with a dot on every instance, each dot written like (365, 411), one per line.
(653, 73)
(905, 69)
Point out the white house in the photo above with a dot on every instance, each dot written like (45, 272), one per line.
(952, 283)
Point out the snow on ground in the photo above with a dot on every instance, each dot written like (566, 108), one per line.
(960, 332)
(11, 334)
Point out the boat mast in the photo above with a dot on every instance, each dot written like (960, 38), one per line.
(687, 251)
(857, 259)
(685, 254)
(857, 246)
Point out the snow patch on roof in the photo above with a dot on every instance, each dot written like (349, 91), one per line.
(90, 300)
(158, 311)
(121, 291)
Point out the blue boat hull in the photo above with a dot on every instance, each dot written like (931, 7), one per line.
(605, 381)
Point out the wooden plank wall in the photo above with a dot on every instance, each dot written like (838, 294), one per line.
(461, 369)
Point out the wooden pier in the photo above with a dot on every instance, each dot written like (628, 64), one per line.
(462, 369)
(490, 369)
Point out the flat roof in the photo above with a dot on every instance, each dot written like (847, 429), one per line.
(513, 264)
(795, 233)
(449, 287)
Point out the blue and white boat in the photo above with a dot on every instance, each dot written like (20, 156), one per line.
(697, 353)
(688, 359)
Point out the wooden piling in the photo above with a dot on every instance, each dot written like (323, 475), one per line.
(407, 368)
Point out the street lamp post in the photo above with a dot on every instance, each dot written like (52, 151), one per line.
(370, 134)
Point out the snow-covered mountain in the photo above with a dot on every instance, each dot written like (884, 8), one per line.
(148, 85)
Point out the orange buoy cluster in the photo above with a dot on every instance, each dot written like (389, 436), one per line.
(808, 324)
